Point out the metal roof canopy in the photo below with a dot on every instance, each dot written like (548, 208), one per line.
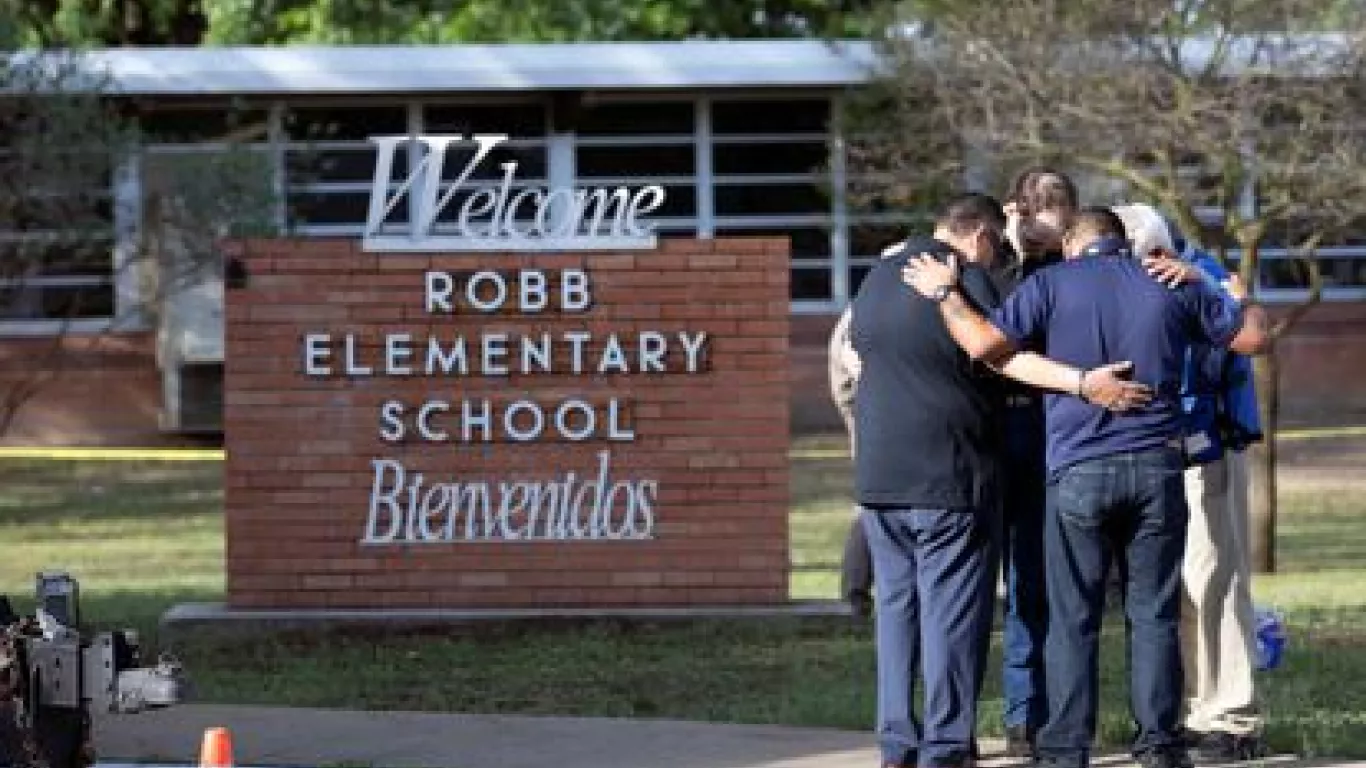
(484, 68)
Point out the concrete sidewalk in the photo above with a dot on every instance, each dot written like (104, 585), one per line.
(270, 736)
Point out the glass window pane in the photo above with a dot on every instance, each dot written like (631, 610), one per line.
(867, 240)
(187, 126)
(634, 161)
(35, 301)
(515, 120)
(856, 275)
(342, 165)
(63, 256)
(345, 123)
(635, 119)
(787, 157)
(763, 116)
(676, 230)
(338, 208)
(811, 283)
(805, 242)
(1294, 233)
(1335, 272)
(772, 199)
(530, 162)
(679, 202)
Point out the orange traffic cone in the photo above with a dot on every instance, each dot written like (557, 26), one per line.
(216, 751)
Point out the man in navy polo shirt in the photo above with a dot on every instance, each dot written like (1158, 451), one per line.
(1115, 480)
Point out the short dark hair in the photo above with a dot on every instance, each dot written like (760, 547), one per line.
(969, 211)
(1098, 222)
(1043, 188)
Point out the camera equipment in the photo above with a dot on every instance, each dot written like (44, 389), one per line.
(52, 677)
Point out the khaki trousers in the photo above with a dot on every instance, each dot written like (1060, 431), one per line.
(1217, 621)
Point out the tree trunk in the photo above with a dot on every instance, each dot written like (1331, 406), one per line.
(1262, 465)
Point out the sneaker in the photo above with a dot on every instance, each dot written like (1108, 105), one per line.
(1166, 757)
(1018, 742)
(1221, 748)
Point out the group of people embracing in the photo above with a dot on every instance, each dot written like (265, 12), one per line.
(1053, 394)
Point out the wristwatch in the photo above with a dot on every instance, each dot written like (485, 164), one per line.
(941, 293)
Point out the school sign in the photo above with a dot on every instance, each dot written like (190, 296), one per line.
(505, 395)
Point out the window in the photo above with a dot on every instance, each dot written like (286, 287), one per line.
(638, 142)
(766, 162)
(49, 276)
(771, 172)
(211, 123)
(56, 234)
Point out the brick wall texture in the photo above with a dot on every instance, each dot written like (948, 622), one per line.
(299, 472)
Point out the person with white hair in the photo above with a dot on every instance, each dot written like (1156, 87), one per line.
(1222, 720)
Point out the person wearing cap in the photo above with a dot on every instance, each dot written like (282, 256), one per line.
(1223, 721)
(1115, 479)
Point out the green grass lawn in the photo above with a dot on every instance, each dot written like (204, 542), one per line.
(143, 536)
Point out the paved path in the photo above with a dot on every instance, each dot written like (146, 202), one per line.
(264, 736)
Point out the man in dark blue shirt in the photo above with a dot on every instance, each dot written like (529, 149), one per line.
(926, 467)
(1115, 480)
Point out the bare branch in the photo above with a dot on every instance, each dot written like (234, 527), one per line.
(1306, 257)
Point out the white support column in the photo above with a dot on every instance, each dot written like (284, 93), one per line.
(277, 138)
(561, 170)
(415, 128)
(839, 211)
(130, 305)
(703, 172)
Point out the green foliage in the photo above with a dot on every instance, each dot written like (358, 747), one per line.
(446, 21)
(50, 23)
(79, 23)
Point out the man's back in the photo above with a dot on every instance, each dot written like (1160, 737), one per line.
(1101, 309)
(925, 413)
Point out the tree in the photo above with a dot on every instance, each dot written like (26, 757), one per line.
(66, 145)
(450, 21)
(111, 23)
(1241, 110)
(107, 23)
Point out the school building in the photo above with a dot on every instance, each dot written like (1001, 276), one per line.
(745, 138)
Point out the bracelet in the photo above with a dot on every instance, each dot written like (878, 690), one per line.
(1081, 383)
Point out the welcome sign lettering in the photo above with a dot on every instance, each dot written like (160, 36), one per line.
(405, 506)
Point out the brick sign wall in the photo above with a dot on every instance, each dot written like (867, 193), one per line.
(408, 430)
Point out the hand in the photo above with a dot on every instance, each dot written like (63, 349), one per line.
(1236, 288)
(1172, 272)
(926, 274)
(1109, 387)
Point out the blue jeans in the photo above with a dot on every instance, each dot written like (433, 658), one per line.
(1133, 505)
(1026, 604)
(934, 576)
